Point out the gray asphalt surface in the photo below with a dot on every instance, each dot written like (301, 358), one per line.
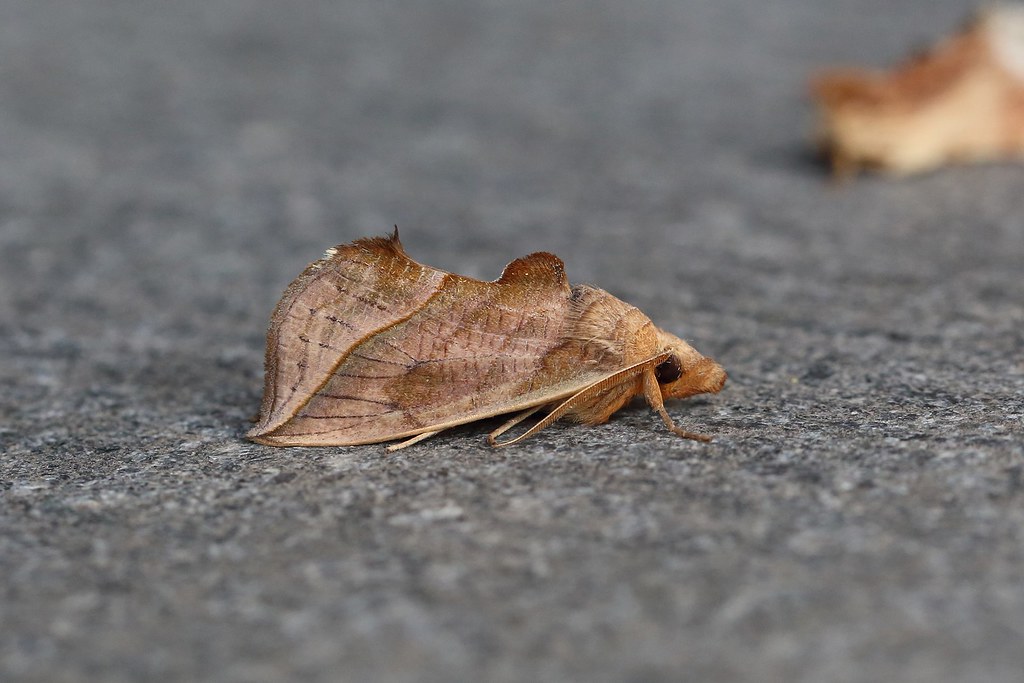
(167, 168)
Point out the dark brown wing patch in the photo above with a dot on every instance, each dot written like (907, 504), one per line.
(540, 270)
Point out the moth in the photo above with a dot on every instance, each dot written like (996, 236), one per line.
(367, 345)
(962, 100)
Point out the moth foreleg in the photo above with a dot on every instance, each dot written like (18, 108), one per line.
(652, 392)
(411, 440)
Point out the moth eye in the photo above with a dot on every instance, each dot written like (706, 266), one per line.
(668, 371)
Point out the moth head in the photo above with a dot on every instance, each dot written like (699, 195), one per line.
(686, 372)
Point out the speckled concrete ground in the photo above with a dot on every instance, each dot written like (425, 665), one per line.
(165, 170)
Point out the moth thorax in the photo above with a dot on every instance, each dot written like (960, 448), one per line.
(639, 336)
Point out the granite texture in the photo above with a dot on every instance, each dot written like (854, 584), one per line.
(166, 169)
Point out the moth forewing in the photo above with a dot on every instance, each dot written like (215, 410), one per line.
(369, 346)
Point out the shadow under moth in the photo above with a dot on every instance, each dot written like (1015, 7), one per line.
(367, 345)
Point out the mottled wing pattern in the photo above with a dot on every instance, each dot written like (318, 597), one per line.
(348, 296)
(473, 350)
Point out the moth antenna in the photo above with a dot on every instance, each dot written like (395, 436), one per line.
(581, 396)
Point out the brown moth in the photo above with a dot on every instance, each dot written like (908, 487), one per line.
(367, 345)
(960, 101)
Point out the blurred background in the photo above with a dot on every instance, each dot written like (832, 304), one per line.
(166, 168)
(224, 144)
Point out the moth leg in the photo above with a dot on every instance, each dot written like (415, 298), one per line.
(411, 440)
(652, 392)
(587, 395)
(492, 438)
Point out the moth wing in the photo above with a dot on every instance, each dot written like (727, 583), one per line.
(349, 295)
(473, 350)
(320, 425)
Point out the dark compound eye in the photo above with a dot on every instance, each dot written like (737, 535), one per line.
(668, 371)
